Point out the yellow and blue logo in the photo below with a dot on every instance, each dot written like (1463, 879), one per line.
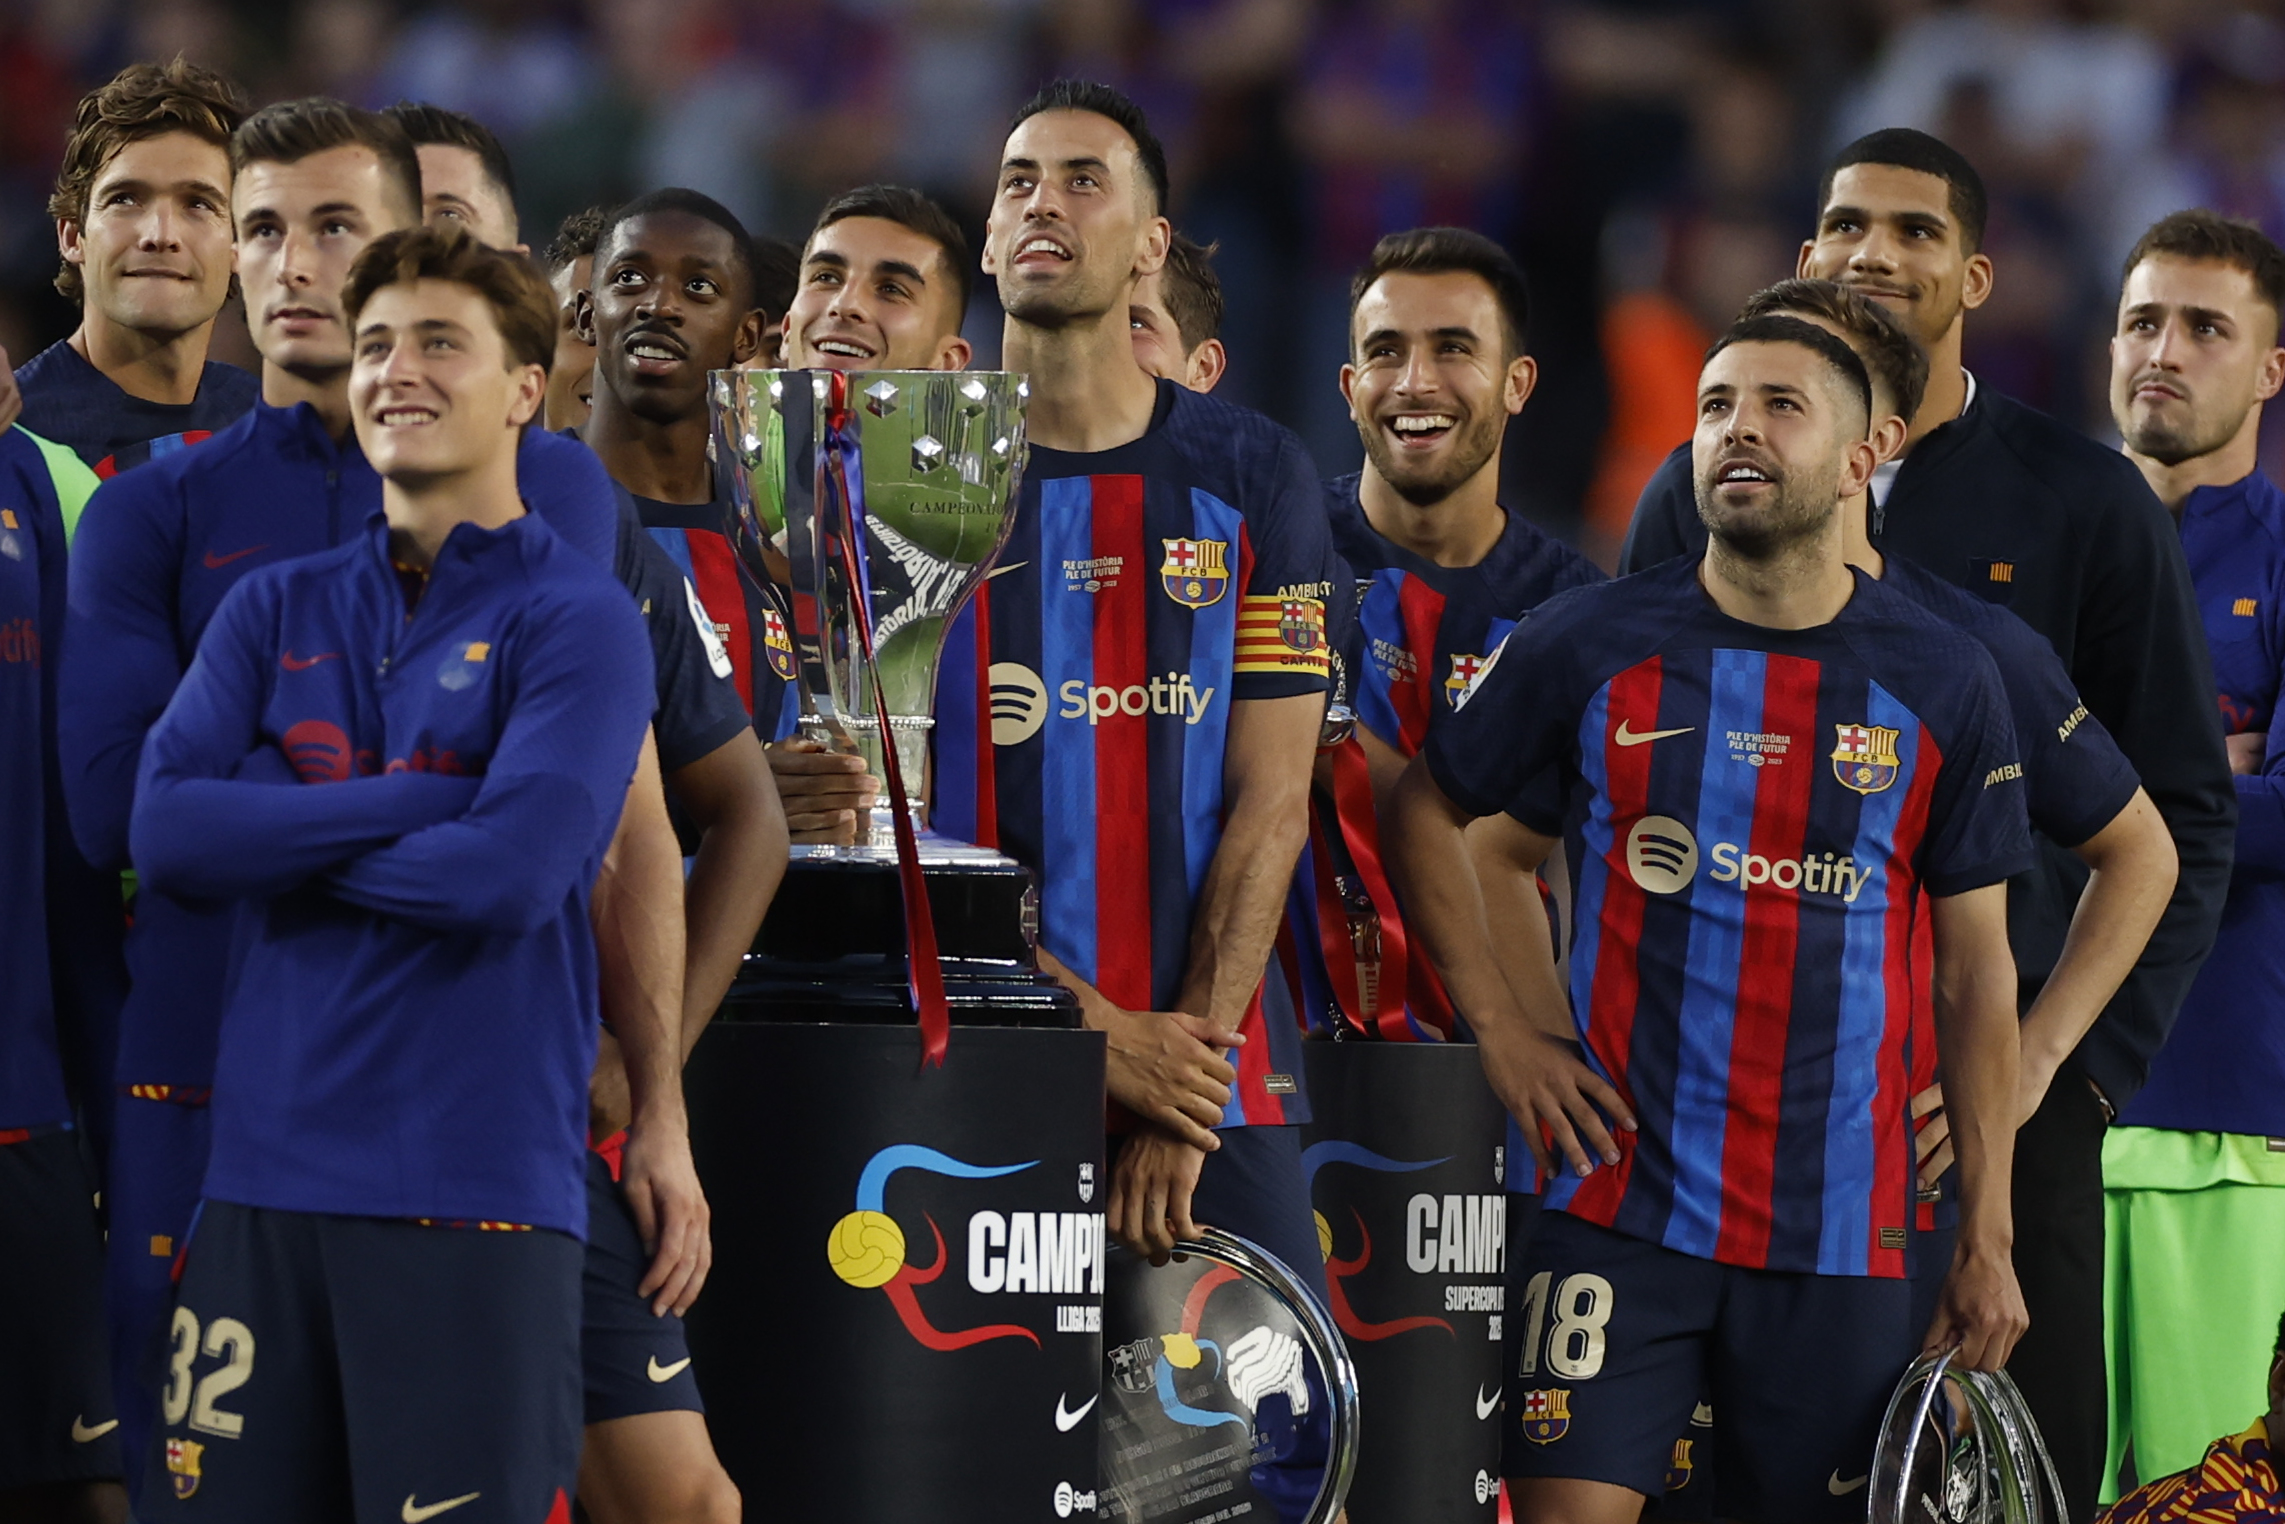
(867, 1247)
(778, 644)
(1546, 1415)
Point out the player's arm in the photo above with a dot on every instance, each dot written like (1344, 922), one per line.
(120, 662)
(219, 815)
(1981, 1307)
(642, 967)
(1537, 1076)
(636, 910)
(1509, 858)
(741, 859)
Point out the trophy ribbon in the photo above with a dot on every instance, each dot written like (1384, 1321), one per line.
(1377, 1011)
(924, 977)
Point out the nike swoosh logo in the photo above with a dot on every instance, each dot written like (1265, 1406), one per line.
(293, 663)
(415, 1513)
(1629, 736)
(213, 561)
(81, 1434)
(660, 1372)
(1841, 1489)
(1485, 1405)
(1001, 571)
(1065, 1420)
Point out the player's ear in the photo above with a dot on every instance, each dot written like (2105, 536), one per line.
(1521, 380)
(2271, 378)
(953, 353)
(1349, 387)
(1207, 364)
(583, 322)
(1857, 465)
(1801, 260)
(529, 396)
(1975, 288)
(1888, 438)
(747, 341)
(1158, 237)
(67, 241)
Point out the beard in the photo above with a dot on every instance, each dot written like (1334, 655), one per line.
(2185, 435)
(1799, 509)
(1426, 483)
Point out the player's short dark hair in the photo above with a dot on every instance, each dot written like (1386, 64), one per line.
(2281, 1336)
(1192, 290)
(1891, 355)
(690, 203)
(1446, 251)
(574, 239)
(1777, 328)
(426, 124)
(509, 283)
(1910, 148)
(291, 131)
(906, 207)
(777, 275)
(1101, 99)
(2200, 234)
(140, 101)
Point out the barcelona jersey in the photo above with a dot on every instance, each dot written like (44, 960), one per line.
(1083, 700)
(748, 622)
(1763, 808)
(1421, 633)
(68, 400)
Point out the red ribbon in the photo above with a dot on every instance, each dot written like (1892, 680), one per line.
(924, 977)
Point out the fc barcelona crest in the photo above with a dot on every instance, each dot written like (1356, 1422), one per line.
(1864, 757)
(1680, 1469)
(1464, 672)
(778, 644)
(1195, 573)
(1301, 624)
(1546, 1415)
(182, 1465)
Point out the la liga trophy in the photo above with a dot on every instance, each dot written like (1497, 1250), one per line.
(897, 1117)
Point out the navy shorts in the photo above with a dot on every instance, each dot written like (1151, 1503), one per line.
(56, 1419)
(368, 1369)
(1624, 1342)
(631, 1360)
(158, 1159)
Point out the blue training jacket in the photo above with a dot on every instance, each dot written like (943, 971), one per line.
(418, 807)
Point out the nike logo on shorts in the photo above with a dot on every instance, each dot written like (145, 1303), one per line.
(1629, 736)
(658, 1372)
(81, 1434)
(1841, 1489)
(416, 1513)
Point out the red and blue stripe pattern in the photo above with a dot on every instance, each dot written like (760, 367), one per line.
(737, 608)
(1754, 1014)
(1081, 722)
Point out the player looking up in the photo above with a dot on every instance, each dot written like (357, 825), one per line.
(1176, 317)
(315, 181)
(883, 286)
(409, 753)
(466, 175)
(2194, 1195)
(1744, 1230)
(2028, 513)
(570, 261)
(647, 1453)
(59, 1445)
(1161, 806)
(142, 213)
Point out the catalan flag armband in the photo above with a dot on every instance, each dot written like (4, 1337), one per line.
(1278, 634)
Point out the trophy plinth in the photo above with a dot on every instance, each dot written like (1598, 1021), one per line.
(925, 466)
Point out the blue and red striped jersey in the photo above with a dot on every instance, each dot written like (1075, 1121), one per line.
(1763, 808)
(1420, 634)
(746, 620)
(1083, 700)
(71, 402)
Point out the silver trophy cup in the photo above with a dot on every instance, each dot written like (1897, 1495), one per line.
(871, 498)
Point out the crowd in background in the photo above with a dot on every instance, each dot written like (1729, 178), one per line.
(1652, 161)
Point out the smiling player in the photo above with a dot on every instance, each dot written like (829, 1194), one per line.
(410, 753)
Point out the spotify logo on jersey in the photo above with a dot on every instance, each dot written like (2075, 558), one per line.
(1661, 854)
(1019, 703)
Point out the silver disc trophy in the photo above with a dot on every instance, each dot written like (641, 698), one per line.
(1960, 1447)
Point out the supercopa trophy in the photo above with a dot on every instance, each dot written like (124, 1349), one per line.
(904, 1153)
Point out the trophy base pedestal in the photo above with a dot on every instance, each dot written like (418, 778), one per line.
(833, 949)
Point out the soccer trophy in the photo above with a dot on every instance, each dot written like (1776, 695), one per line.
(897, 1117)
